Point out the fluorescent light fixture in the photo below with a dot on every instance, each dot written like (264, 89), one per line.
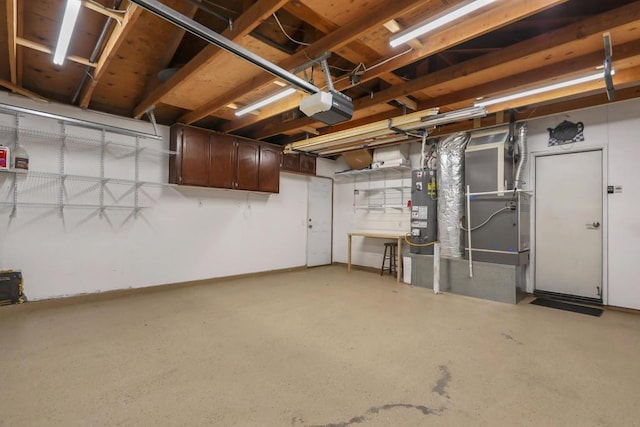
(428, 26)
(66, 29)
(266, 101)
(364, 144)
(542, 89)
(454, 116)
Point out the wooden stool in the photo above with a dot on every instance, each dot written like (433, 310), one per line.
(393, 250)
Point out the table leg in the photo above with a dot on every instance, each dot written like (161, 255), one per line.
(349, 256)
(398, 263)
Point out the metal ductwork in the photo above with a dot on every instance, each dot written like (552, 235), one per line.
(524, 156)
(451, 193)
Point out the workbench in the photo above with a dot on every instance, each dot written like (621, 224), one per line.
(399, 236)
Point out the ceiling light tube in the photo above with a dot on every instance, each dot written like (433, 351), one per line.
(364, 144)
(542, 89)
(454, 116)
(266, 101)
(428, 26)
(66, 30)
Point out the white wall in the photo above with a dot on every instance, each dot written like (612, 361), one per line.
(367, 252)
(187, 233)
(614, 126)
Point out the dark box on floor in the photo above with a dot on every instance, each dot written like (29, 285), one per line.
(11, 291)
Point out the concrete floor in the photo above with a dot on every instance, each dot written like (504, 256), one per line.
(319, 347)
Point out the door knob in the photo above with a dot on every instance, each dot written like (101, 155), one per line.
(593, 226)
(596, 224)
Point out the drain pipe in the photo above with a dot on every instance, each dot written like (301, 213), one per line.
(469, 231)
(88, 71)
(524, 156)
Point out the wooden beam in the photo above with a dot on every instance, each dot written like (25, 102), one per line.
(628, 56)
(549, 109)
(543, 47)
(12, 25)
(498, 16)
(169, 51)
(45, 49)
(310, 129)
(353, 51)
(624, 77)
(394, 27)
(330, 42)
(407, 102)
(17, 89)
(507, 12)
(118, 35)
(539, 51)
(246, 23)
(524, 115)
(20, 53)
(96, 7)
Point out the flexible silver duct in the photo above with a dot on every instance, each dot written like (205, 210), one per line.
(524, 156)
(451, 193)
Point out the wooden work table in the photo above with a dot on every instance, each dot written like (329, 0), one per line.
(399, 236)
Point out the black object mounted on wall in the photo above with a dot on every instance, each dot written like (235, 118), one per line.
(566, 133)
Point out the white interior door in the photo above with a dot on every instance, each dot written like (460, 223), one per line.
(568, 224)
(319, 221)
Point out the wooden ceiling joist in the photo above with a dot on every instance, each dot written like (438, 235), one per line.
(352, 53)
(331, 41)
(97, 7)
(547, 47)
(46, 49)
(246, 23)
(169, 50)
(21, 91)
(12, 28)
(627, 56)
(355, 51)
(549, 109)
(481, 24)
(117, 37)
(503, 14)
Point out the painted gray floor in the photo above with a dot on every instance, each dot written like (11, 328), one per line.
(319, 347)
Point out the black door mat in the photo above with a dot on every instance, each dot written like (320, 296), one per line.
(591, 311)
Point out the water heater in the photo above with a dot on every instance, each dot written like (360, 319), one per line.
(424, 211)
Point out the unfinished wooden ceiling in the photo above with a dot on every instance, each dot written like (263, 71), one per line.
(505, 46)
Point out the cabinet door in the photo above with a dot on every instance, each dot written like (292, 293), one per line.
(269, 177)
(194, 152)
(291, 162)
(307, 164)
(248, 161)
(222, 165)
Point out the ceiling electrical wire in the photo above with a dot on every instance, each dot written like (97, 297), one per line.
(362, 69)
(285, 33)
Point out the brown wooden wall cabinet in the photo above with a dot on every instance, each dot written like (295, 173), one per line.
(210, 159)
(299, 163)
